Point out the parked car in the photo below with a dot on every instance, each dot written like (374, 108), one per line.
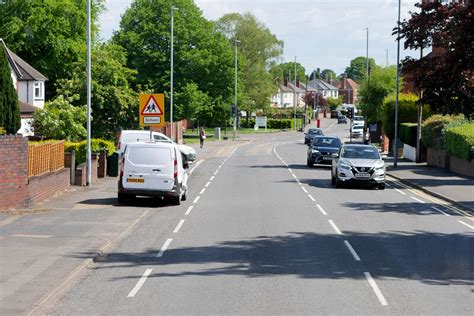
(127, 136)
(152, 169)
(341, 119)
(358, 120)
(335, 114)
(357, 131)
(311, 133)
(322, 150)
(360, 164)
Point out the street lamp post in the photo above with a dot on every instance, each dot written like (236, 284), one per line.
(235, 85)
(88, 150)
(172, 69)
(295, 98)
(395, 143)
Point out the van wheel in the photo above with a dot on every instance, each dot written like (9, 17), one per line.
(333, 180)
(382, 186)
(176, 200)
(122, 198)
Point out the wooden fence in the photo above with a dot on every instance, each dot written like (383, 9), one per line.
(45, 157)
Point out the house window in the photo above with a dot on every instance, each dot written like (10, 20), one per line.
(39, 90)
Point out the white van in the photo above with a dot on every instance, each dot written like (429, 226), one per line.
(152, 169)
(127, 136)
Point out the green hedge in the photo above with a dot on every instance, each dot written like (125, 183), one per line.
(274, 123)
(459, 141)
(97, 145)
(432, 131)
(408, 133)
(407, 112)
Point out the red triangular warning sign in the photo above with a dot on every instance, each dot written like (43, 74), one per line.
(152, 107)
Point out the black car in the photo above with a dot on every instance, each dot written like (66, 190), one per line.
(323, 150)
(341, 119)
(311, 133)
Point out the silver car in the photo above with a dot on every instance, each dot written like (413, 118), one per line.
(358, 164)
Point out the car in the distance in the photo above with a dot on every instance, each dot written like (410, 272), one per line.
(152, 169)
(311, 133)
(358, 120)
(323, 150)
(335, 113)
(359, 164)
(341, 119)
(357, 131)
(127, 136)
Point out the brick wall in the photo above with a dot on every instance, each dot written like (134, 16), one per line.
(16, 189)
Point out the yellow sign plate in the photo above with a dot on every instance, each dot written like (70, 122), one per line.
(152, 110)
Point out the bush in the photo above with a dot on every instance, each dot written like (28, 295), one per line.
(408, 133)
(250, 124)
(97, 146)
(407, 112)
(432, 131)
(459, 141)
(279, 124)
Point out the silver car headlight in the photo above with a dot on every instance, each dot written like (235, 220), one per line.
(314, 151)
(345, 166)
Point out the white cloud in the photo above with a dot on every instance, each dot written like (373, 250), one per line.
(322, 33)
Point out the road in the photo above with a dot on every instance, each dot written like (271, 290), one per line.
(262, 233)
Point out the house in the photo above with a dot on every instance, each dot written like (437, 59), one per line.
(349, 89)
(285, 95)
(29, 84)
(327, 90)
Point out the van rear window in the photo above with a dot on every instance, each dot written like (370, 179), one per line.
(149, 155)
(139, 137)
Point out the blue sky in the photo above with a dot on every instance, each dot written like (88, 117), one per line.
(321, 33)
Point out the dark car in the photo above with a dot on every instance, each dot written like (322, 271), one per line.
(335, 114)
(311, 133)
(341, 119)
(323, 150)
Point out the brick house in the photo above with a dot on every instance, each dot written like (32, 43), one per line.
(349, 89)
(29, 84)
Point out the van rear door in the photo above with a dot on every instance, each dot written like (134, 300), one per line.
(136, 170)
(161, 177)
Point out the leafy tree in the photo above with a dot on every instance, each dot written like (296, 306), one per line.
(357, 71)
(371, 96)
(445, 75)
(315, 74)
(61, 120)
(328, 74)
(333, 103)
(189, 102)
(258, 50)
(281, 71)
(48, 34)
(312, 98)
(113, 102)
(10, 119)
(201, 55)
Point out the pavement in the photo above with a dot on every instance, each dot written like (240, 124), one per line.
(441, 183)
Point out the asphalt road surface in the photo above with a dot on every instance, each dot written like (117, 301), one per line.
(262, 233)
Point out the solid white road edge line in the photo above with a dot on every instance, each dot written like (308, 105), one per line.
(321, 209)
(178, 227)
(140, 283)
(197, 164)
(165, 246)
(418, 200)
(207, 184)
(189, 210)
(400, 191)
(376, 289)
(196, 200)
(31, 236)
(442, 212)
(352, 251)
(334, 226)
(202, 191)
(311, 197)
(466, 224)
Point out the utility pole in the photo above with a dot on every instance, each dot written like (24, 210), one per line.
(172, 69)
(88, 150)
(395, 143)
(419, 121)
(295, 98)
(368, 82)
(386, 57)
(314, 99)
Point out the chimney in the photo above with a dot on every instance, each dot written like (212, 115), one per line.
(297, 83)
(285, 82)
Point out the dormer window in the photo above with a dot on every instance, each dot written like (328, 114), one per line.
(39, 90)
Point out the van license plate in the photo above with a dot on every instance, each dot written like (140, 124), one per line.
(136, 180)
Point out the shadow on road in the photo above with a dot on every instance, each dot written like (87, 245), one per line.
(138, 202)
(431, 258)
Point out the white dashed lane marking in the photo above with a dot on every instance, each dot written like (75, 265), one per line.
(440, 211)
(140, 283)
(164, 247)
(189, 210)
(334, 227)
(416, 199)
(321, 209)
(178, 227)
(352, 251)
(376, 289)
(196, 199)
